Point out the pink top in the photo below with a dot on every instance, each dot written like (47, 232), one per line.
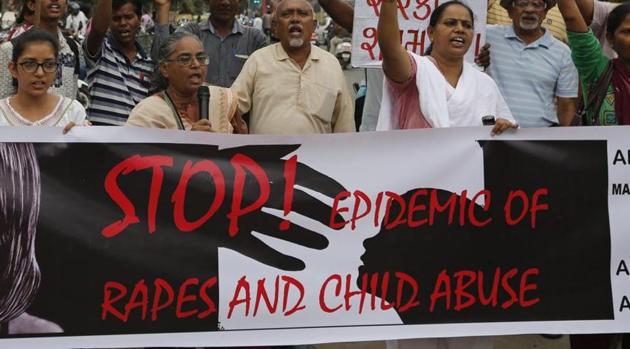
(406, 102)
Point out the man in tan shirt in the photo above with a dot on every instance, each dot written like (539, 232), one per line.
(292, 87)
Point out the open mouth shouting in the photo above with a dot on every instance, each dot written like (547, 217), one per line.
(296, 30)
(458, 41)
(54, 8)
(125, 34)
(195, 78)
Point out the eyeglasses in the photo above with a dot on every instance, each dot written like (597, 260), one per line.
(537, 5)
(187, 59)
(32, 66)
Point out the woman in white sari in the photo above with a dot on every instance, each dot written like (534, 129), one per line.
(439, 89)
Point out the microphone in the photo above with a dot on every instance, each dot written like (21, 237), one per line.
(488, 120)
(203, 96)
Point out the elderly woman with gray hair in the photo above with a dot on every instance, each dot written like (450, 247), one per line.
(19, 213)
(182, 65)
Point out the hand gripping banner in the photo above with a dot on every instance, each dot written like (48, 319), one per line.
(131, 237)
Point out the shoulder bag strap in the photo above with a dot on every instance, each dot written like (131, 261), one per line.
(598, 93)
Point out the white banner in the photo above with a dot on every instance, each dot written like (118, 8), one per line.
(146, 235)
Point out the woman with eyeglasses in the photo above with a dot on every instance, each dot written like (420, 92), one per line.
(34, 66)
(182, 66)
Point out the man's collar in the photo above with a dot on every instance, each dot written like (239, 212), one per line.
(546, 40)
(236, 27)
(281, 54)
(114, 45)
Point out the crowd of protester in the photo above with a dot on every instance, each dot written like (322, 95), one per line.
(532, 77)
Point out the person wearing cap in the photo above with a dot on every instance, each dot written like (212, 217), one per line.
(76, 22)
(553, 21)
(533, 70)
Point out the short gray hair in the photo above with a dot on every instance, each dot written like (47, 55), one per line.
(166, 49)
(278, 2)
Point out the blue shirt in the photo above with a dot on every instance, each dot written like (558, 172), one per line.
(531, 76)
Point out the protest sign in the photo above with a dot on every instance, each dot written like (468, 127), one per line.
(131, 237)
(413, 20)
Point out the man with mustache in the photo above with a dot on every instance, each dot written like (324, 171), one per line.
(65, 83)
(225, 40)
(120, 71)
(293, 87)
(553, 20)
(533, 69)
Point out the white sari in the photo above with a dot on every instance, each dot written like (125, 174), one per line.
(443, 105)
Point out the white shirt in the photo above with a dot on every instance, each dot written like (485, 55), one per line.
(258, 23)
(77, 23)
(65, 111)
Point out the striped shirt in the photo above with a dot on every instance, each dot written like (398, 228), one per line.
(531, 76)
(116, 84)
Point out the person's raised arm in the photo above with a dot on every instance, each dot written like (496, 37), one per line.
(162, 30)
(163, 8)
(396, 63)
(340, 11)
(587, 9)
(100, 23)
(572, 16)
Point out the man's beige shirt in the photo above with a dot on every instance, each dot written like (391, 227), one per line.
(284, 99)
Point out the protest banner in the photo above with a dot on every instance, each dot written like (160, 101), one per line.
(413, 20)
(122, 237)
